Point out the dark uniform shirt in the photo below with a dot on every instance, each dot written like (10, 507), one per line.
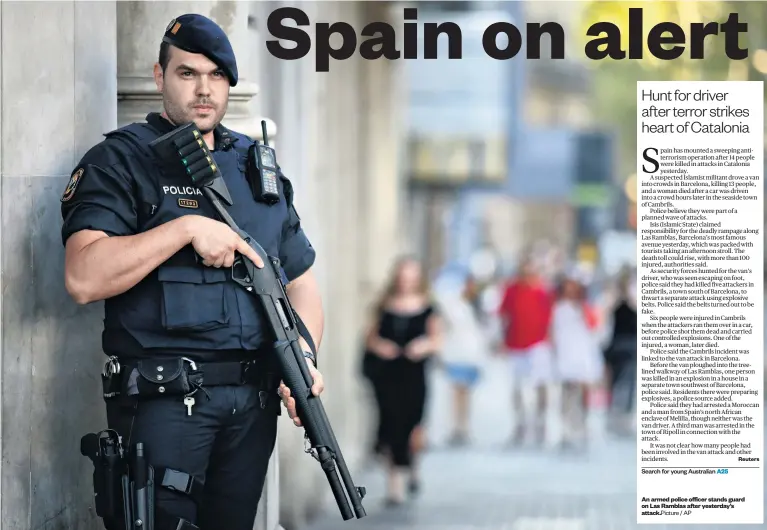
(182, 307)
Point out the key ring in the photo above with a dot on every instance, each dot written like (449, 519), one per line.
(191, 363)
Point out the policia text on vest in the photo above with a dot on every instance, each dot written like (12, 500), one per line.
(114, 465)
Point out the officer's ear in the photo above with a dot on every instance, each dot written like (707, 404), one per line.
(159, 79)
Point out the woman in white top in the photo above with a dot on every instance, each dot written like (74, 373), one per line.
(462, 350)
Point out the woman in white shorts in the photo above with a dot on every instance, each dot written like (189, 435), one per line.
(532, 372)
(463, 348)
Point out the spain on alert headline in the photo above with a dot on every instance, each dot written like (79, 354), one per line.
(665, 40)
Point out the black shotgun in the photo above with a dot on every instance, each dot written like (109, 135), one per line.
(186, 148)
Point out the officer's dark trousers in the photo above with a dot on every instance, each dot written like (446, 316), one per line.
(226, 442)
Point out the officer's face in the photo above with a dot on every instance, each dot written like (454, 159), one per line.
(193, 89)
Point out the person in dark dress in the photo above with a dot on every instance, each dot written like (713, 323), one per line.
(401, 340)
(621, 355)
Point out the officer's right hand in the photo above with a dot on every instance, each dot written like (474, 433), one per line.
(216, 243)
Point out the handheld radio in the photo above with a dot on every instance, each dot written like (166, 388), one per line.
(262, 170)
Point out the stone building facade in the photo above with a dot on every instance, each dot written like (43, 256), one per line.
(71, 71)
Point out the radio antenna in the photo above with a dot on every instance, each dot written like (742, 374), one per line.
(263, 132)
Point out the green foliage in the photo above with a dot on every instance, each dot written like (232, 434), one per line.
(614, 86)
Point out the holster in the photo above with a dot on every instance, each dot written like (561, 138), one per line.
(124, 485)
(106, 451)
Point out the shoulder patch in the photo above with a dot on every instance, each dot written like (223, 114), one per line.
(74, 181)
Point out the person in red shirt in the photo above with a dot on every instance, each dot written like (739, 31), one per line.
(525, 312)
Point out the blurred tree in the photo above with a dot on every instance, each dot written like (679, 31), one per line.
(614, 89)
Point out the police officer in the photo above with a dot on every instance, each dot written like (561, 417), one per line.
(149, 244)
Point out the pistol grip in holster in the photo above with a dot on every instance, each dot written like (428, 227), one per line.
(123, 485)
(104, 449)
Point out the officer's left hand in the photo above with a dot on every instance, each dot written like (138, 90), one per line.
(290, 403)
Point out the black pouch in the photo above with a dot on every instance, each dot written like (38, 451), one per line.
(158, 377)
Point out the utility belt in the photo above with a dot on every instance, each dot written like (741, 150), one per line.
(138, 379)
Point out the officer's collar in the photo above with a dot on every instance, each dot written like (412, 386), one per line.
(223, 138)
(156, 120)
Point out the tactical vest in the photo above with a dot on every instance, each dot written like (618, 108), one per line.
(184, 307)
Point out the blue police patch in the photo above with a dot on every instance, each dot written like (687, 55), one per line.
(74, 181)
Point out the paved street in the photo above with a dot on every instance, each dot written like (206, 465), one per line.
(490, 487)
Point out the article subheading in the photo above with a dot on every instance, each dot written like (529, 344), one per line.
(700, 278)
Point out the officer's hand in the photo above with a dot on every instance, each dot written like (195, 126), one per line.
(216, 243)
(290, 403)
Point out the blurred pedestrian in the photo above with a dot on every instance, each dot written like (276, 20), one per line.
(525, 311)
(621, 354)
(578, 359)
(463, 348)
(404, 335)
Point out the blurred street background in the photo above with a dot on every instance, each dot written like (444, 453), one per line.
(486, 486)
(510, 184)
(503, 161)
